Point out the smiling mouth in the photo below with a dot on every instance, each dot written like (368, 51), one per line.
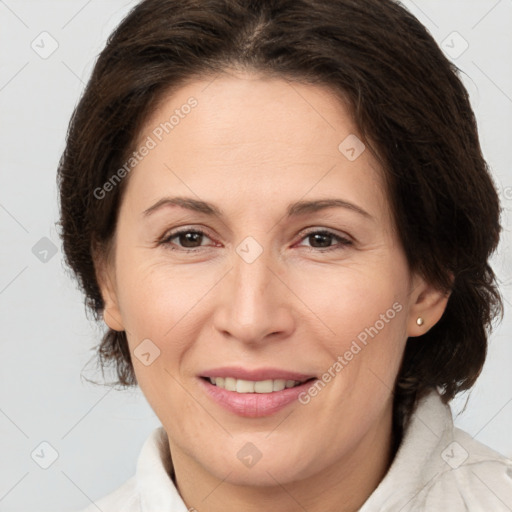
(250, 386)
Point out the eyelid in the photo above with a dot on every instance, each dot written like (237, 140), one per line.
(168, 235)
(321, 229)
(343, 240)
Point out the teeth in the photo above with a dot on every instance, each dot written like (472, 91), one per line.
(229, 384)
(250, 386)
(279, 385)
(244, 386)
(263, 386)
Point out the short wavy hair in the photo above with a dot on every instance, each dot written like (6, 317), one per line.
(408, 102)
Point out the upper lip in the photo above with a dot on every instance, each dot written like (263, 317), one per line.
(259, 374)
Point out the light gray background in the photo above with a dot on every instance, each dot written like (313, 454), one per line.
(46, 338)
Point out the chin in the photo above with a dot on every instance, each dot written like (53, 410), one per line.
(260, 475)
(244, 464)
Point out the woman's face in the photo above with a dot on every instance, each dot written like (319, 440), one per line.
(264, 284)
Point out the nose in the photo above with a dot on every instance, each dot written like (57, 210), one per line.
(255, 304)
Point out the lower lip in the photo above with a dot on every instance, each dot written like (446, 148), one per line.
(254, 405)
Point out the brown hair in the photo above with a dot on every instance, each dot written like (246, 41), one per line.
(410, 107)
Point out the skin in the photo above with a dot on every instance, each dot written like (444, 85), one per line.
(252, 146)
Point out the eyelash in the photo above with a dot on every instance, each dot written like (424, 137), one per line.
(342, 242)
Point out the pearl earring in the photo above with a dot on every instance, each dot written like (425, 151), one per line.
(419, 320)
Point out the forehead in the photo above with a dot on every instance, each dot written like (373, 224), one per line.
(237, 108)
(268, 137)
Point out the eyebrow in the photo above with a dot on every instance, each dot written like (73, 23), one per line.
(293, 210)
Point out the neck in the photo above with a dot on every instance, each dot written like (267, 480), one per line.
(341, 487)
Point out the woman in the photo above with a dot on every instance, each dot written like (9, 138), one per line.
(268, 205)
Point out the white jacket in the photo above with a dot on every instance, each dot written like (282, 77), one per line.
(437, 468)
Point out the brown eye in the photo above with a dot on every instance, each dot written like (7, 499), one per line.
(322, 240)
(186, 239)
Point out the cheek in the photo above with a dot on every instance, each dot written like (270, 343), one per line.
(360, 328)
(349, 304)
(157, 298)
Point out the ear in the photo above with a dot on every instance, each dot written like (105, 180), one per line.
(427, 303)
(105, 276)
